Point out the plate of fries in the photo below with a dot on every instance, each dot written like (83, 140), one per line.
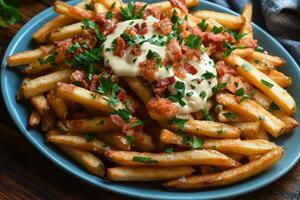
(187, 96)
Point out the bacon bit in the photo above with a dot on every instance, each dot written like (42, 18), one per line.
(117, 120)
(223, 69)
(154, 11)
(163, 107)
(174, 51)
(80, 77)
(77, 124)
(148, 69)
(229, 37)
(236, 82)
(196, 31)
(142, 30)
(94, 83)
(164, 26)
(87, 37)
(120, 47)
(135, 51)
(136, 131)
(184, 34)
(214, 38)
(106, 26)
(165, 82)
(131, 31)
(179, 4)
(64, 45)
(248, 42)
(190, 68)
(210, 49)
(190, 53)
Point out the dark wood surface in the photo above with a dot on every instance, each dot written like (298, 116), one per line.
(26, 174)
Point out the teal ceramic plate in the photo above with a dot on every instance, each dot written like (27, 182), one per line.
(10, 81)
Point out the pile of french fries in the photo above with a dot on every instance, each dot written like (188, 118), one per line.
(77, 120)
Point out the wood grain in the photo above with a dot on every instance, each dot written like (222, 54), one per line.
(26, 174)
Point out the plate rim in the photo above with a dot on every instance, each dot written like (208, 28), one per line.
(13, 113)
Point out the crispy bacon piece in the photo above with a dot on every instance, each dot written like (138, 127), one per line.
(87, 37)
(117, 120)
(174, 50)
(210, 49)
(179, 4)
(64, 45)
(106, 26)
(214, 38)
(135, 51)
(154, 11)
(164, 26)
(248, 42)
(165, 82)
(163, 107)
(148, 69)
(120, 47)
(94, 83)
(190, 53)
(141, 29)
(130, 129)
(190, 68)
(79, 77)
(223, 69)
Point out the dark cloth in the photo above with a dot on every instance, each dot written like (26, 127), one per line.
(281, 18)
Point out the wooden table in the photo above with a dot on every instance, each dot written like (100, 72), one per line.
(26, 174)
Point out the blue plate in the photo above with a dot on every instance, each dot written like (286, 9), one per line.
(10, 81)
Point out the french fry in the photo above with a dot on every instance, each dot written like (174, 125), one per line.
(66, 32)
(44, 83)
(262, 57)
(193, 157)
(247, 18)
(54, 132)
(290, 123)
(41, 35)
(84, 97)
(147, 173)
(229, 176)
(252, 110)
(247, 128)
(19, 94)
(40, 103)
(281, 79)
(117, 139)
(227, 20)
(58, 105)
(207, 169)
(99, 8)
(262, 99)
(261, 134)
(74, 12)
(34, 118)
(280, 96)
(244, 147)
(145, 144)
(138, 86)
(80, 142)
(91, 125)
(210, 129)
(93, 164)
(49, 121)
(26, 57)
(223, 119)
(109, 3)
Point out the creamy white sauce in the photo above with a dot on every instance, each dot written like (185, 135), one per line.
(128, 65)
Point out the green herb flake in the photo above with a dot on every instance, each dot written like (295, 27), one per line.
(261, 117)
(208, 75)
(266, 83)
(238, 36)
(169, 150)
(137, 123)
(129, 12)
(203, 25)
(130, 139)
(180, 90)
(219, 87)
(240, 92)
(197, 142)
(230, 115)
(193, 41)
(207, 115)
(143, 159)
(89, 137)
(92, 25)
(246, 67)
(202, 94)
(179, 123)
(216, 29)
(49, 59)
(125, 114)
(9, 13)
(273, 107)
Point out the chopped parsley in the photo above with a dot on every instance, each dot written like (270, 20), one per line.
(92, 25)
(207, 115)
(266, 83)
(203, 25)
(169, 150)
(189, 94)
(129, 12)
(180, 90)
(230, 48)
(216, 29)
(49, 59)
(109, 14)
(238, 36)
(261, 117)
(197, 142)
(230, 115)
(143, 159)
(240, 92)
(137, 123)
(246, 67)
(208, 75)
(202, 94)
(179, 123)
(259, 49)
(273, 107)
(193, 41)
(219, 87)
(89, 137)
(109, 88)
(125, 114)
(130, 139)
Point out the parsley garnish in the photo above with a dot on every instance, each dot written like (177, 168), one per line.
(109, 14)
(230, 48)
(89, 137)
(169, 150)
(137, 123)
(202, 94)
(49, 59)
(92, 25)
(143, 159)
(240, 92)
(208, 75)
(207, 115)
(266, 83)
(259, 49)
(130, 13)
(230, 115)
(9, 13)
(197, 142)
(179, 123)
(194, 42)
(130, 139)
(238, 36)
(203, 25)
(216, 29)
(125, 114)
(273, 107)
(219, 87)
(180, 89)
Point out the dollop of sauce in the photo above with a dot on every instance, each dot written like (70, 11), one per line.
(198, 88)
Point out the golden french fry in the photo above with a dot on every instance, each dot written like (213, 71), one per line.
(193, 157)
(99, 8)
(80, 142)
(58, 105)
(229, 176)
(244, 147)
(26, 57)
(280, 96)
(49, 121)
(247, 128)
(237, 118)
(117, 139)
(281, 79)
(145, 144)
(34, 118)
(93, 164)
(85, 97)
(210, 129)
(290, 123)
(41, 35)
(66, 32)
(54, 132)
(261, 134)
(147, 173)
(143, 91)
(262, 57)
(90, 125)
(207, 169)
(262, 99)
(20, 95)
(72, 11)
(44, 83)
(252, 110)
(227, 20)
(40, 103)
(247, 18)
